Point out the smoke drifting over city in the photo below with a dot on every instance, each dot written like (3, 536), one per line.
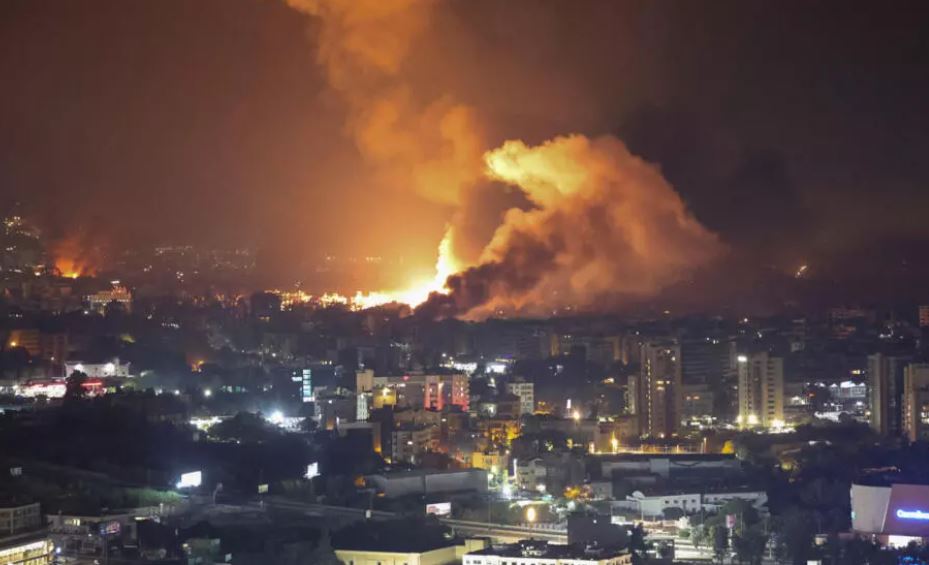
(599, 223)
(346, 144)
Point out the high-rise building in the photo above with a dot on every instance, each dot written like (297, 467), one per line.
(705, 360)
(658, 390)
(886, 379)
(915, 417)
(761, 390)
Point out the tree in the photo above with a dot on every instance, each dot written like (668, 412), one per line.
(795, 535)
(244, 427)
(720, 542)
(74, 386)
(699, 535)
(749, 546)
(637, 540)
(323, 554)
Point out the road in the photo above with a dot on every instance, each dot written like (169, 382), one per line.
(500, 532)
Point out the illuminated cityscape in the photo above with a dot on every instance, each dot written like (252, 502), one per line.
(371, 282)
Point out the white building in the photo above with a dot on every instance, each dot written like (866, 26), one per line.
(532, 552)
(448, 555)
(112, 368)
(654, 504)
(98, 301)
(893, 514)
(526, 393)
(761, 391)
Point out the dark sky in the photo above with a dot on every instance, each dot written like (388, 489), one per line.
(796, 130)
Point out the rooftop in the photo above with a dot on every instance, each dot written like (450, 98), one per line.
(545, 550)
(674, 457)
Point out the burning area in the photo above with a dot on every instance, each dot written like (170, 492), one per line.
(595, 224)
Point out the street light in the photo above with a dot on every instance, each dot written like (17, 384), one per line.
(530, 514)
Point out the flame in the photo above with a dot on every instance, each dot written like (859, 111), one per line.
(72, 268)
(415, 294)
(419, 291)
(75, 257)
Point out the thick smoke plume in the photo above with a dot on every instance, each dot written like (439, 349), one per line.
(598, 224)
(606, 225)
(433, 146)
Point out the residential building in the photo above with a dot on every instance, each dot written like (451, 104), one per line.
(653, 503)
(697, 402)
(99, 301)
(916, 401)
(409, 443)
(111, 368)
(886, 378)
(526, 393)
(23, 539)
(761, 390)
(659, 390)
(17, 519)
(500, 431)
(442, 390)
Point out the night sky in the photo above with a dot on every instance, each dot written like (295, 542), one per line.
(796, 131)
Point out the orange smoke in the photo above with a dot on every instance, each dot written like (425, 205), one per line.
(74, 259)
(606, 225)
(602, 225)
(433, 146)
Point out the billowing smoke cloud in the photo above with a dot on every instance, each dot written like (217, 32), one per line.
(606, 225)
(80, 253)
(433, 146)
(593, 223)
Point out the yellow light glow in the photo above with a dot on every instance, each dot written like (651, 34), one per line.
(531, 515)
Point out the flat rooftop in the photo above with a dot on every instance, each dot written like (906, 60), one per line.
(545, 550)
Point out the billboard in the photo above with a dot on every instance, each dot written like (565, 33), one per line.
(897, 510)
(439, 508)
(111, 528)
(190, 480)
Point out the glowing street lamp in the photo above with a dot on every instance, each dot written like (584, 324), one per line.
(531, 514)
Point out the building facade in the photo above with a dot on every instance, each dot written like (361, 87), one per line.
(915, 417)
(526, 393)
(659, 390)
(886, 392)
(761, 391)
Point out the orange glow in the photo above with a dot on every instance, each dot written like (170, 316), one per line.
(413, 295)
(72, 260)
(70, 268)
